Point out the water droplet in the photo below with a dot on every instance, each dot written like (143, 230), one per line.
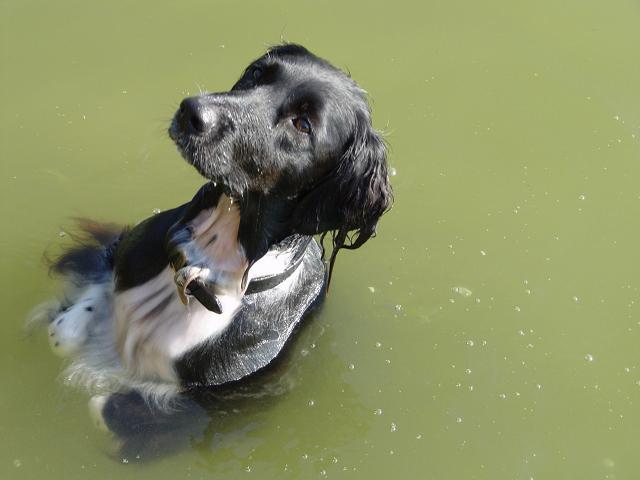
(156, 211)
(419, 436)
(503, 396)
(483, 253)
(470, 343)
(393, 172)
(588, 357)
(377, 411)
(394, 427)
(372, 289)
(517, 308)
(582, 197)
(459, 420)
(575, 299)
(398, 307)
(462, 291)
(378, 344)
(352, 366)
(312, 403)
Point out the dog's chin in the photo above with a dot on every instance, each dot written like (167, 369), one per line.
(205, 166)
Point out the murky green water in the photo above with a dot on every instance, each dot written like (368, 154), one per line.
(491, 331)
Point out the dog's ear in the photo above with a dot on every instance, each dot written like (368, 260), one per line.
(353, 196)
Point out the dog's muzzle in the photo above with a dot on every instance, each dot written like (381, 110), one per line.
(196, 117)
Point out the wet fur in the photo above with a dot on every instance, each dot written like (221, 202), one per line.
(269, 182)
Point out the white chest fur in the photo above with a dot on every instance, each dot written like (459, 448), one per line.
(153, 327)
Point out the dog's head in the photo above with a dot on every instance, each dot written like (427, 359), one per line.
(292, 127)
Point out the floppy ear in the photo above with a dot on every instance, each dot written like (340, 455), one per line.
(352, 197)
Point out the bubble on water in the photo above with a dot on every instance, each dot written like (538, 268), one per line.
(419, 436)
(125, 460)
(156, 211)
(483, 253)
(398, 307)
(459, 420)
(470, 343)
(312, 403)
(575, 299)
(372, 289)
(582, 197)
(393, 172)
(394, 427)
(247, 469)
(323, 473)
(539, 386)
(378, 344)
(521, 333)
(334, 460)
(470, 388)
(62, 233)
(377, 411)
(588, 357)
(502, 396)
(352, 366)
(462, 291)
(517, 308)
(468, 371)
(17, 463)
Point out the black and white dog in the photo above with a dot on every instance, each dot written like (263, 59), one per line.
(209, 292)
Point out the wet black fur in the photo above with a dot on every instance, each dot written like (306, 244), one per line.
(332, 179)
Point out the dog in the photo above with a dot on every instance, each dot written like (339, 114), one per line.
(204, 296)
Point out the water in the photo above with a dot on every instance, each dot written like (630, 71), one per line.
(490, 331)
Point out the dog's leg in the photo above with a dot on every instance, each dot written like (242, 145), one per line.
(144, 430)
(194, 276)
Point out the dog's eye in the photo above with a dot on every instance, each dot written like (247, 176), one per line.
(256, 73)
(302, 125)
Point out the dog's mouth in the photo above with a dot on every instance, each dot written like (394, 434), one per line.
(199, 150)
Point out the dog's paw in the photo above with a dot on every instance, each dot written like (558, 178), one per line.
(185, 275)
(197, 281)
(68, 331)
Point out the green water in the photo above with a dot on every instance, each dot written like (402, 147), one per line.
(490, 331)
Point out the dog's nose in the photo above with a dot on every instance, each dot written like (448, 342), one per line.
(195, 117)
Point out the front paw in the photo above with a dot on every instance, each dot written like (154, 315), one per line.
(194, 280)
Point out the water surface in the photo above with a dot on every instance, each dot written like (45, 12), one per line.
(490, 331)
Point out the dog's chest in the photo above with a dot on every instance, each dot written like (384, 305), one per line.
(154, 328)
